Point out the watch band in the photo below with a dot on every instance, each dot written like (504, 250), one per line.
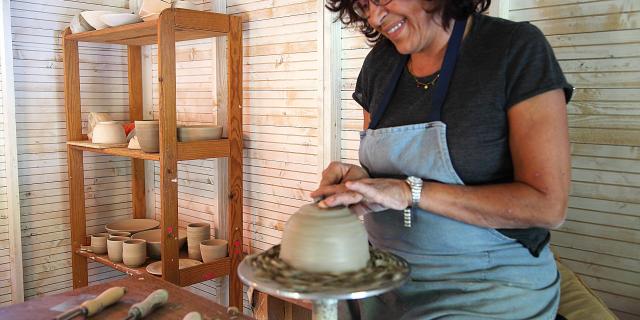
(415, 185)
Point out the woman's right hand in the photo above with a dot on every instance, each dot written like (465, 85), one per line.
(334, 178)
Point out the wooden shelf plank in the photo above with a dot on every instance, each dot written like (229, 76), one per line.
(190, 25)
(123, 152)
(188, 276)
(203, 149)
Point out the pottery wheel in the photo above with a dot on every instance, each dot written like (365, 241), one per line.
(268, 273)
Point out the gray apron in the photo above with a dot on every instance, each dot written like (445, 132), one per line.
(459, 271)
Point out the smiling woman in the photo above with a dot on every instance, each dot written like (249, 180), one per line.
(464, 160)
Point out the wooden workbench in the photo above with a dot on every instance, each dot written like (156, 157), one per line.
(180, 302)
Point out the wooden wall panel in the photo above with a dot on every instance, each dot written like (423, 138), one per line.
(36, 28)
(5, 259)
(597, 43)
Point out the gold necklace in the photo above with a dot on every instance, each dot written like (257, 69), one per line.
(420, 84)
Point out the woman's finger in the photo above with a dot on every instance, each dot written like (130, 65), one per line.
(345, 198)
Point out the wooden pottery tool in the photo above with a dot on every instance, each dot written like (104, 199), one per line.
(93, 306)
(153, 301)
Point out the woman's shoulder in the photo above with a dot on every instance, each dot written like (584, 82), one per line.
(488, 27)
(383, 50)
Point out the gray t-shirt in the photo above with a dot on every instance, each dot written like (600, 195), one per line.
(501, 63)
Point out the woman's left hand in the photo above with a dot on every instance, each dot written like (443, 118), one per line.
(372, 195)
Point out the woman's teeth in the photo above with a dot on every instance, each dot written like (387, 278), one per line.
(396, 27)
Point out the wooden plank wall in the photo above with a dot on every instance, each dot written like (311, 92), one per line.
(5, 259)
(36, 28)
(598, 45)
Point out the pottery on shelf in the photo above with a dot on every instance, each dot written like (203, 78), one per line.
(132, 225)
(93, 18)
(155, 268)
(108, 132)
(196, 233)
(134, 252)
(79, 24)
(119, 19)
(99, 243)
(213, 249)
(324, 240)
(199, 132)
(185, 4)
(148, 133)
(119, 234)
(153, 241)
(114, 248)
(150, 9)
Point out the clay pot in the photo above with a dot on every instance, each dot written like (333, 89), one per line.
(213, 249)
(108, 132)
(132, 225)
(99, 243)
(153, 241)
(148, 133)
(119, 234)
(134, 252)
(199, 133)
(196, 233)
(324, 240)
(114, 248)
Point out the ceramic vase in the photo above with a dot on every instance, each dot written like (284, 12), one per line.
(196, 233)
(114, 248)
(324, 240)
(99, 243)
(148, 133)
(134, 252)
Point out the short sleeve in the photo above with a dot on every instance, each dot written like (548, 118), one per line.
(532, 68)
(360, 91)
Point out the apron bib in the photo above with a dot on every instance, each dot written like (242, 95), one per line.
(459, 271)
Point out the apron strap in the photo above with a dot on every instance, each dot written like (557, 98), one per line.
(442, 86)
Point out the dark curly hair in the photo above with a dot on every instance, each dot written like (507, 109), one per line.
(451, 9)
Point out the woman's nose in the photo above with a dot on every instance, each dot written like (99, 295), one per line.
(376, 14)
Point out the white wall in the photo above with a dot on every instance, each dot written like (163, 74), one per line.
(5, 258)
(597, 44)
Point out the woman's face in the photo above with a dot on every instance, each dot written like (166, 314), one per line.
(406, 23)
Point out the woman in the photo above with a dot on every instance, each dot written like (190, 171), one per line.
(465, 158)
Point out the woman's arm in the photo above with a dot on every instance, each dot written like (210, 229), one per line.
(539, 146)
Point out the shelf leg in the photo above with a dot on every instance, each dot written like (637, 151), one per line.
(135, 113)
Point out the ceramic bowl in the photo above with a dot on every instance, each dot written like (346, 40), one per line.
(153, 241)
(119, 19)
(155, 268)
(132, 225)
(150, 9)
(213, 249)
(108, 132)
(78, 24)
(197, 133)
(93, 18)
(324, 240)
(134, 6)
(148, 133)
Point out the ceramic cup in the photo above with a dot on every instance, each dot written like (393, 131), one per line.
(134, 252)
(324, 240)
(99, 243)
(196, 233)
(213, 249)
(114, 248)
(108, 132)
(148, 133)
(119, 234)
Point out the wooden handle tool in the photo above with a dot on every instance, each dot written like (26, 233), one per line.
(93, 306)
(146, 306)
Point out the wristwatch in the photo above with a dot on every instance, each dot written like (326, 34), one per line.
(415, 184)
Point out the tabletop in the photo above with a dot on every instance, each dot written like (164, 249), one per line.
(181, 302)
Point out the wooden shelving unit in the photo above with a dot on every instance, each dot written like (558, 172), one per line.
(173, 25)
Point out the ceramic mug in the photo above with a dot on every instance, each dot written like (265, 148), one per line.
(196, 233)
(99, 243)
(114, 248)
(134, 252)
(148, 133)
(213, 249)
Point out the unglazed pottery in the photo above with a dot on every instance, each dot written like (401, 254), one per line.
(155, 268)
(324, 240)
(108, 132)
(198, 133)
(148, 133)
(78, 24)
(132, 225)
(93, 18)
(213, 249)
(119, 234)
(196, 233)
(183, 4)
(114, 248)
(99, 243)
(119, 19)
(134, 252)
(153, 241)
(150, 9)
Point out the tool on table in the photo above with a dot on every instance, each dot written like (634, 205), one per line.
(146, 306)
(193, 315)
(93, 306)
